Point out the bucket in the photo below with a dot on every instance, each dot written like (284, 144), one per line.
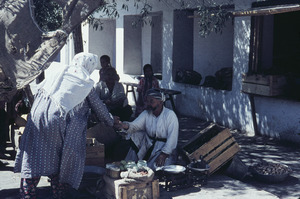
(237, 169)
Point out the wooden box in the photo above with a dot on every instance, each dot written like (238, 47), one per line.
(94, 153)
(216, 145)
(120, 189)
(268, 85)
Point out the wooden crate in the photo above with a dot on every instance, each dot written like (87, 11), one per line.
(94, 153)
(268, 85)
(119, 189)
(215, 144)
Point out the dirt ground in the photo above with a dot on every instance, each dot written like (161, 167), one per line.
(219, 185)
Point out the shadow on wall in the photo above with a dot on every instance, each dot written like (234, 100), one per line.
(278, 118)
(228, 108)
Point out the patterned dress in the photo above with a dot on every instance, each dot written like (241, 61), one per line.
(142, 88)
(52, 144)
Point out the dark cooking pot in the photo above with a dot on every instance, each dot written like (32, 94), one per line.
(199, 166)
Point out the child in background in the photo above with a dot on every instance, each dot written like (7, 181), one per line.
(147, 82)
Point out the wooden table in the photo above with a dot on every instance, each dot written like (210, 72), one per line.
(130, 87)
(169, 96)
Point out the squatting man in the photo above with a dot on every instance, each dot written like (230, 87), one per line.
(154, 133)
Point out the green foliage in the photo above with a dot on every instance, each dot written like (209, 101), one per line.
(110, 10)
(210, 16)
(211, 19)
(47, 14)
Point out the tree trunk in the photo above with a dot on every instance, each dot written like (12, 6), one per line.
(77, 36)
(25, 49)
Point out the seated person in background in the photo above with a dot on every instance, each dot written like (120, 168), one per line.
(146, 82)
(4, 131)
(154, 133)
(113, 95)
(105, 63)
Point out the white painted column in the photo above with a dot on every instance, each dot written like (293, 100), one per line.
(120, 46)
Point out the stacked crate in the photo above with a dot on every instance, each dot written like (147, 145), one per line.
(122, 189)
(94, 153)
(214, 144)
(266, 85)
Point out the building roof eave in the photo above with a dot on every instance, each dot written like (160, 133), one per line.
(270, 10)
(259, 11)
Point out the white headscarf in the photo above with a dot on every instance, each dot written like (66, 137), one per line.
(69, 87)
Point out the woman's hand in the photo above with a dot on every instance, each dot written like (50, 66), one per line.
(117, 127)
(116, 120)
(107, 102)
(116, 123)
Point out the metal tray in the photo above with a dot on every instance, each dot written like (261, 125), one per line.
(174, 168)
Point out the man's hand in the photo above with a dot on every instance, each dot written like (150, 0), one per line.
(118, 125)
(160, 161)
(125, 126)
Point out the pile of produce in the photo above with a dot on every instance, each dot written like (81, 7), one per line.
(267, 168)
(270, 172)
(140, 168)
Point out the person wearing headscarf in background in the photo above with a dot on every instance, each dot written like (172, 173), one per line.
(105, 64)
(145, 83)
(113, 95)
(54, 139)
(154, 133)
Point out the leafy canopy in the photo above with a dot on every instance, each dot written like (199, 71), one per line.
(48, 14)
(211, 17)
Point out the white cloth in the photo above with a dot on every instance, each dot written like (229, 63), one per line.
(88, 61)
(70, 85)
(164, 126)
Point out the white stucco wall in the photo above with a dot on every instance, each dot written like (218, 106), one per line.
(230, 108)
(276, 118)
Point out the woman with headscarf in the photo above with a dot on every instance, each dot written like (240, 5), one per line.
(54, 139)
(147, 82)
